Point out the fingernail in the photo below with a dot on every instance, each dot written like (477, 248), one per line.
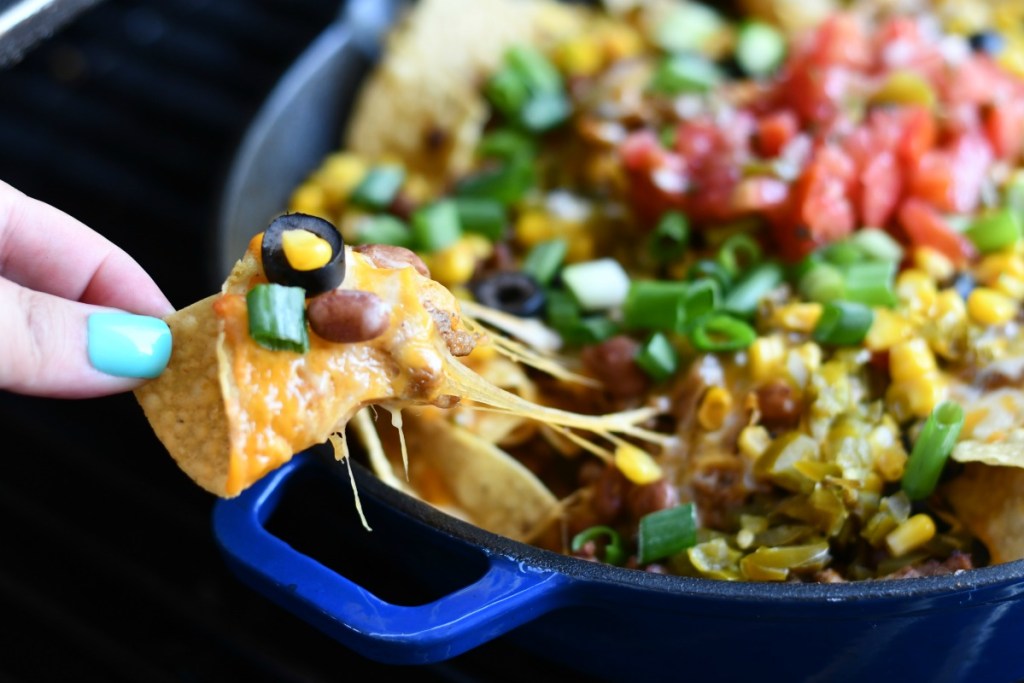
(127, 345)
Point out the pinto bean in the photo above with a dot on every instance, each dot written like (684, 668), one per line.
(609, 494)
(348, 315)
(780, 409)
(647, 498)
(390, 256)
(612, 362)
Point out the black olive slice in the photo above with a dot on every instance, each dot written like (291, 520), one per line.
(279, 271)
(511, 292)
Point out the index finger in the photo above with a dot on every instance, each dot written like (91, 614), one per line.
(45, 249)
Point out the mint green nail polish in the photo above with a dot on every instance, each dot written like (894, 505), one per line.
(127, 345)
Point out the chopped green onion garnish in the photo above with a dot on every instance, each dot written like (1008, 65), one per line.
(436, 226)
(682, 73)
(561, 311)
(657, 357)
(877, 245)
(506, 183)
(544, 112)
(545, 259)
(667, 532)
(738, 253)
(843, 323)
(507, 90)
(670, 237)
(932, 449)
(277, 317)
(688, 28)
(703, 297)
(597, 285)
(721, 332)
(506, 143)
(384, 229)
(706, 269)
(760, 48)
(655, 305)
(536, 70)
(481, 216)
(746, 294)
(378, 189)
(613, 551)
(592, 329)
(995, 231)
(870, 282)
(821, 282)
(842, 253)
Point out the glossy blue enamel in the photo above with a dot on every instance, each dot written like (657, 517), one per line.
(963, 628)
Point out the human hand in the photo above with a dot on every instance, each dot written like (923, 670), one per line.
(59, 285)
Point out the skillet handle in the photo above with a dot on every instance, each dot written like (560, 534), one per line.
(506, 596)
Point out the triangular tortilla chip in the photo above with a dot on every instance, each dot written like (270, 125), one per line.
(230, 411)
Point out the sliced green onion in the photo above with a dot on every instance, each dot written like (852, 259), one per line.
(593, 329)
(760, 48)
(561, 310)
(613, 551)
(702, 297)
(544, 112)
(378, 188)
(667, 532)
(877, 245)
(746, 294)
(932, 449)
(536, 70)
(721, 332)
(436, 226)
(544, 260)
(507, 90)
(277, 317)
(384, 229)
(822, 282)
(688, 28)
(597, 285)
(843, 323)
(655, 305)
(482, 216)
(670, 237)
(507, 183)
(657, 357)
(683, 73)
(842, 253)
(707, 269)
(506, 143)
(738, 253)
(995, 231)
(870, 282)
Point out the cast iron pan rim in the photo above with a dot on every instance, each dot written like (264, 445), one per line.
(591, 572)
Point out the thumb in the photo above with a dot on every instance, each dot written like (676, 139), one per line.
(50, 346)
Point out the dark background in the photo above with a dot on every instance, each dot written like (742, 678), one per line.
(128, 118)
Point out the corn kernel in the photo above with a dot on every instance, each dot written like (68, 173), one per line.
(767, 355)
(753, 441)
(621, 41)
(800, 317)
(636, 464)
(994, 265)
(534, 227)
(936, 264)
(417, 189)
(810, 354)
(916, 396)
(715, 405)
(479, 246)
(916, 290)
(989, 307)
(910, 359)
(309, 198)
(580, 56)
(454, 265)
(910, 535)
(887, 329)
(1011, 286)
(339, 175)
(304, 250)
(581, 247)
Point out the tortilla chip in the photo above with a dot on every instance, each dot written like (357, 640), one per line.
(1005, 451)
(423, 103)
(990, 502)
(184, 405)
(468, 477)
